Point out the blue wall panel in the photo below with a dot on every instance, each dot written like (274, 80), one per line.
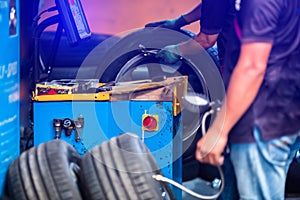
(9, 85)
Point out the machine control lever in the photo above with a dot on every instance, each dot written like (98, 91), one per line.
(68, 125)
(57, 123)
(79, 123)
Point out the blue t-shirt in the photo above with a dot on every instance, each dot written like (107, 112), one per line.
(276, 109)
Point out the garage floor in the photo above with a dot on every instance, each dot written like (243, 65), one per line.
(200, 186)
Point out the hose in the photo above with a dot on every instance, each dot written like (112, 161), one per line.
(159, 177)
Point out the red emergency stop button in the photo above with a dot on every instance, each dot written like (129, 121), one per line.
(150, 122)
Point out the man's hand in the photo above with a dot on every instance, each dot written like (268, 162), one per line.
(211, 147)
(174, 24)
(169, 54)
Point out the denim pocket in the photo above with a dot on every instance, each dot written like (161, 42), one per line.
(279, 149)
(276, 151)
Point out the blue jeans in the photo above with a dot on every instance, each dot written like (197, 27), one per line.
(230, 191)
(261, 167)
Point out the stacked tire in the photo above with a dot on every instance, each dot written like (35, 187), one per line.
(49, 171)
(121, 168)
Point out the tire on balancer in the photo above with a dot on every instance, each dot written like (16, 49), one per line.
(122, 168)
(47, 172)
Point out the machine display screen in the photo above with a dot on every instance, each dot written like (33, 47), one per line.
(79, 18)
(73, 20)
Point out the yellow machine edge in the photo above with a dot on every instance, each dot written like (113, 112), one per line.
(125, 90)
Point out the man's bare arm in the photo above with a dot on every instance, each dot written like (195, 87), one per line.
(244, 85)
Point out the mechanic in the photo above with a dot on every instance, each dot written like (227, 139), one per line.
(261, 114)
(215, 26)
(215, 21)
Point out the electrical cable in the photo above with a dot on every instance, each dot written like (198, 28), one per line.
(38, 16)
(37, 31)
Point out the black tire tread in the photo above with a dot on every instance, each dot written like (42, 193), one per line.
(42, 173)
(122, 169)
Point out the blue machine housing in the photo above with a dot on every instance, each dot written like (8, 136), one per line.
(106, 119)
